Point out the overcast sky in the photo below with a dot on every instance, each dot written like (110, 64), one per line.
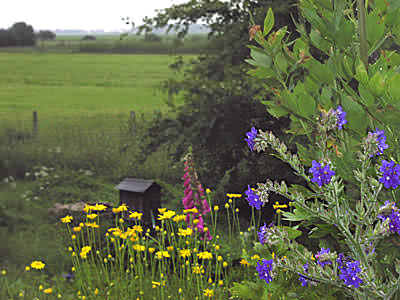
(79, 14)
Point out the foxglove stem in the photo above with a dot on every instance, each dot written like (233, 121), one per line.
(362, 30)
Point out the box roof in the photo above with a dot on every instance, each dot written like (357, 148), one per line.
(135, 185)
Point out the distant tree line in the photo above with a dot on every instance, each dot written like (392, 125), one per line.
(22, 34)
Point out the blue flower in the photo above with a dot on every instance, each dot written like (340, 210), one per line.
(253, 198)
(304, 281)
(378, 138)
(390, 174)
(264, 270)
(323, 257)
(349, 270)
(251, 135)
(321, 175)
(340, 117)
(394, 223)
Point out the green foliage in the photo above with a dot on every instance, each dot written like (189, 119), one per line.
(19, 34)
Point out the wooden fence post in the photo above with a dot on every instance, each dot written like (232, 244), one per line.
(35, 124)
(132, 122)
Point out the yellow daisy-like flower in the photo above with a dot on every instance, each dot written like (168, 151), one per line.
(91, 216)
(224, 264)
(139, 248)
(48, 291)
(21, 294)
(208, 190)
(96, 291)
(27, 268)
(234, 195)
(67, 219)
(166, 215)
(137, 228)
(205, 255)
(217, 247)
(198, 270)
(221, 282)
(184, 253)
(170, 248)
(244, 262)
(88, 208)
(155, 284)
(216, 208)
(193, 210)
(92, 225)
(38, 265)
(162, 210)
(84, 251)
(77, 228)
(255, 257)
(219, 258)
(185, 232)
(135, 215)
(208, 293)
(179, 218)
(161, 254)
(180, 291)
(151, 250)
(40, 287)
(100, 207)
(120, 208)
(3, 272)
(59, 296)
(226, 205)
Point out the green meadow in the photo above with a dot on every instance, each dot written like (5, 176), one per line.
(63, 88)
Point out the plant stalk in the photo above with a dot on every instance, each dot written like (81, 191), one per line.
(362, 30)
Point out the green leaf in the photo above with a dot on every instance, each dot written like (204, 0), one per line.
(356, 116)
(366, 97)
(376, 84)
(320, 73)
(281, 62)
(269, 21)
(276, 111)
(260, 57)
(394, 89)
(322, 230)
(247, 290)
(292, 233)
(375, 27)
(297, 215)
(262, 73)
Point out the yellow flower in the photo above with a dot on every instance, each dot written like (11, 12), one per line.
(48, 291)
(73, 269)
(170, 248)
(234, 195)
(279, 206)
(166, 215)
(100, 207)
(155, 284)
(217, 247)
(255, 257)
(120, 208)
(179, 218)
(77, 228)
(40, 287)
(121, 220)
(161, 254)
(193, 210)
(204, 255)
(185, 232)
(237, 210)
(59, 296)
(195, 222)
(96, 291)
(21, 294)
(205, 229)
(224, 264)
(273, 255)
(162, 210)
(151, 250)
(88, 208)
(230, 200)
(38, 265)
(184, 253)
(216, 208)
(84, 251)
(198, 270)
(219, 258)
(73, 253)
(139, 248)
(93, 225)
(137, 228)
(73, 236)
(208, 293)
(208, 190)
(244, 262)
(135, 215)
(180, 291)
(221, 282)
(27, 268)
(210, 280)
(3, 272)
(226, 205)
(67, 219)
(91, 216)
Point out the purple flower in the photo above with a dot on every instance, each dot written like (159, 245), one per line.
(321, 175)
(261, 234)
(264, 270)
(304, 281)
(394, 223)
(323, 257)
(340, 117)
(251, 135)
(349, 270)
(390, 174)
(391, 212)
(253, 198)
(380, 139)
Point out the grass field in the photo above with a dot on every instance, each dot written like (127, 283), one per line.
(64, 88)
